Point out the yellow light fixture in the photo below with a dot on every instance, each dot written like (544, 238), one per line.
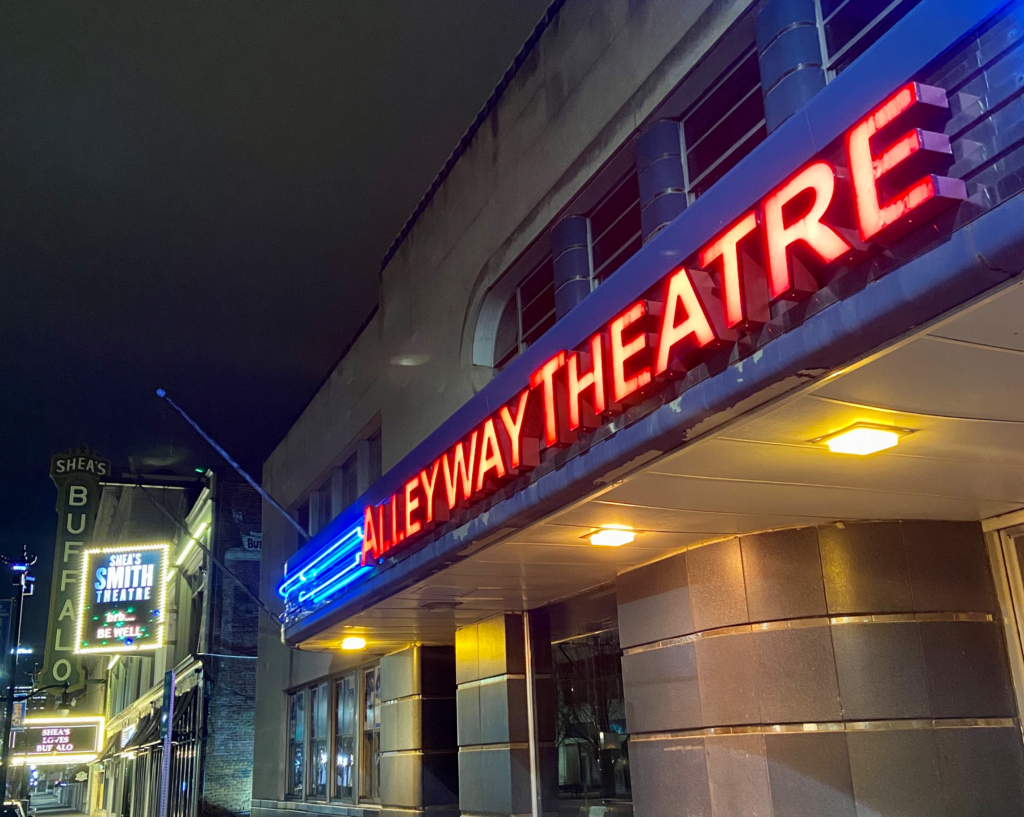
(612, 536)
(862, 439)
(353, 642)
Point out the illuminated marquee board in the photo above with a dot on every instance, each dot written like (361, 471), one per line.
(861, 194)
(49, 741)
(121, 607)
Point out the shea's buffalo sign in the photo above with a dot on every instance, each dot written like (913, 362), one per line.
(825, 214)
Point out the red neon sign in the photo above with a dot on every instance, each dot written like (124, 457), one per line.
(776, 250)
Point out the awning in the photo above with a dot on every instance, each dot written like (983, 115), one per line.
(147, 732)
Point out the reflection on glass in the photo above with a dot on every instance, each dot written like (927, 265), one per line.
(318, 740)
(369, 758)
(296, 741)
(345, 747)
(590, 725)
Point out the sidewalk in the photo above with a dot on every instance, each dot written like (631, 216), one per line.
(49, 805)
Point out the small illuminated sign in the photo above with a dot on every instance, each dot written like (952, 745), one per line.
(121, 607)
(49, 741)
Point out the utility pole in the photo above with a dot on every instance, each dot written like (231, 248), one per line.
(23, 585)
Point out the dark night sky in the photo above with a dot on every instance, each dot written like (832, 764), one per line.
(197, 196)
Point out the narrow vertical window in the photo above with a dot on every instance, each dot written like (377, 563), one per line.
(318, 741)
(296, 744)
(345, 739)
(369, 753)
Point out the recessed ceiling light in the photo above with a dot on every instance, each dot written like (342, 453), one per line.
(863, 439)
(353, 642)
(612, 537)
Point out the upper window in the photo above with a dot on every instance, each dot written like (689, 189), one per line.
(724, 125)
(615, 226)
(350, 481)
(851, 26)
(528, 313)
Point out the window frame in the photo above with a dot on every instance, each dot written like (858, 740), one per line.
(291, 741)
(331, 682)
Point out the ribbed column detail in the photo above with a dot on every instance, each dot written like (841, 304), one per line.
(789, 53)
(659, 167)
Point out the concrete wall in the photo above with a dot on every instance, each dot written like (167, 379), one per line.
(596, 74)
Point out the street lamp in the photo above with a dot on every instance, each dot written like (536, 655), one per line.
(23, 585)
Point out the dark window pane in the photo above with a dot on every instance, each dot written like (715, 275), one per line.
(540, 328)
(624, 196)
(324, 511)
(728, 133)
(721, 99)
(829, 6)
(535, 312)
(855, 20)
(722, 168)
(350, 481)
(626, 251)
(506, 343)
(615, 227)
(542, 276)
(376, 457)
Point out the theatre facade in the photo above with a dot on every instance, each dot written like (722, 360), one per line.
(680, 468)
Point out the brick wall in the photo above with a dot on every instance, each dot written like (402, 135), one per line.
(231, 667)
(234, 615)
(230, 701)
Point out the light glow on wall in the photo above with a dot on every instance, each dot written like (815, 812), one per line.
(353, 642)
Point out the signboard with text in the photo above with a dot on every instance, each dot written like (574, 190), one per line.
(883, 179)
(77, 474)
(121, 607)
(48, 741)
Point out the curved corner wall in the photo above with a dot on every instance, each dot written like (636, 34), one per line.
(848, 669)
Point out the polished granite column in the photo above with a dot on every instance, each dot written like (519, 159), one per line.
(419, 760)
(494, 752)
(850, 669)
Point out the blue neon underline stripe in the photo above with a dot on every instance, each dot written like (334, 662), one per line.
(351, 542)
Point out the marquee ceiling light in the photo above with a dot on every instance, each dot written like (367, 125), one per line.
(612, 536)
(353, 642)
(862, 439)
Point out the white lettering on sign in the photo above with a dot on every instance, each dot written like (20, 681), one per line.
(124, 578)
(78, 495)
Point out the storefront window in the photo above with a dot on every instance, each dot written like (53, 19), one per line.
(590, 725)
(296, 744)
(318, 752)
(369, 757)
(345, 739)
